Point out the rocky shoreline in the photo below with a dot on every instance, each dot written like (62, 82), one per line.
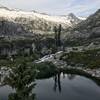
(60, 64)
(95, 73)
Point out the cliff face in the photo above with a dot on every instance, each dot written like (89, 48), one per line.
(16, 25)
(17, 47)
(38, 28)
(86, 29)
(42, 46)
(34, 22)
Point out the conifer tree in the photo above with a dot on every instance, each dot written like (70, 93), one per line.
(55, 30)
(59, 35)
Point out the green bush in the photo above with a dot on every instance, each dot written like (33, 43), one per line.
(45, 70)
(89, 58)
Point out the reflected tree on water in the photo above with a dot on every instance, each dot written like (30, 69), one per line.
(71, 76)
(22, 80)
(57, 82)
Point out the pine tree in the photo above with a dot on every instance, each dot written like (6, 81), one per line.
(56, 39)
(59, 35)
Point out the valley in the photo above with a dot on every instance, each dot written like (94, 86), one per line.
(38, 50)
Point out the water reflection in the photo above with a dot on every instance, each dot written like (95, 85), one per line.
(57, 80)
(22, 80)
(71, 76)
(67, 86)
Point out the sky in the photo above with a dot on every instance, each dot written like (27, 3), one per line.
(81, 8)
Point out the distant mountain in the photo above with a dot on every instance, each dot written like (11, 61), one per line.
(89, 28)
(34, 22)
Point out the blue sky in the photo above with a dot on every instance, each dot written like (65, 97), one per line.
(55, 7)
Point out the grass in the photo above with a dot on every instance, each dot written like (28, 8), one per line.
(89, 58)
(18, 60)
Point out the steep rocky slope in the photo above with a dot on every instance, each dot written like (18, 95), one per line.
(90, 28)
(33, 22)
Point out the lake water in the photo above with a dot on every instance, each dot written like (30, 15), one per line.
(60, 87)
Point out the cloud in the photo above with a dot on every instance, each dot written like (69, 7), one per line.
(60, 7)
(84, 7)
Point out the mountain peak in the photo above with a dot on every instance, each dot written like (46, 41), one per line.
(71, 15)
(38, 21)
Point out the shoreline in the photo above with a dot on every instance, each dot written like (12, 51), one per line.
(94, 73)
